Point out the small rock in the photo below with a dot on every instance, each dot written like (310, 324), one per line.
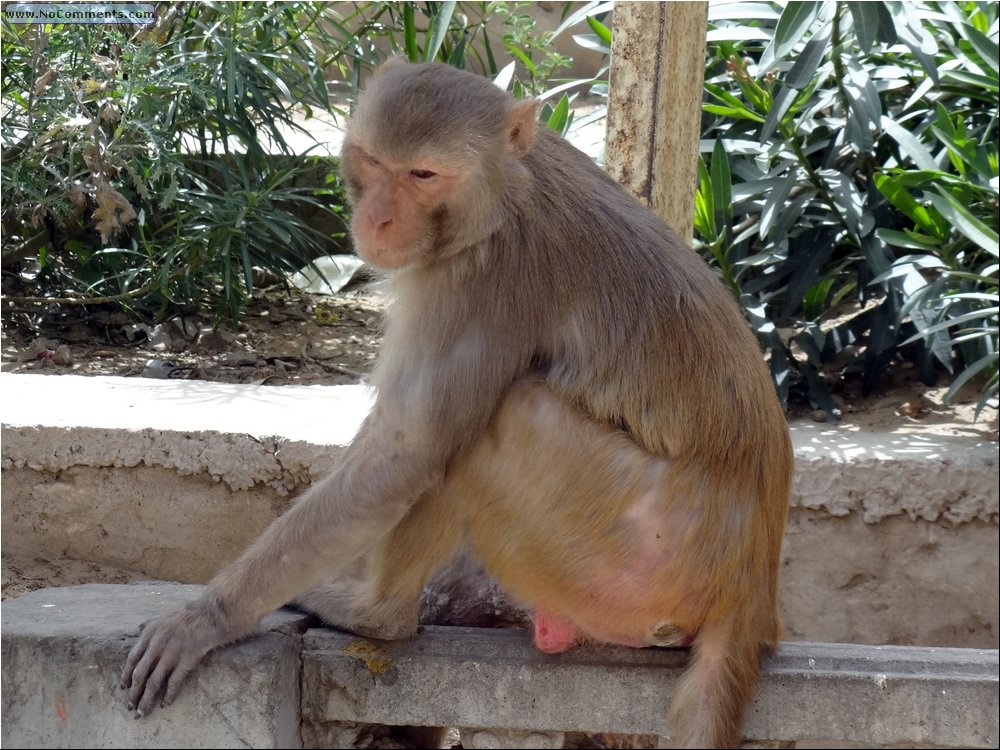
(159, 339)
(237, 359)
(158, 368)
(215, 339)
(62, 356)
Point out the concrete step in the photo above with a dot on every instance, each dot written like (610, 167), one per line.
(63, 649)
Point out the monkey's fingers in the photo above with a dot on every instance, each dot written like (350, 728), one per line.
(144, 693)
(134, 655)
(166, 652)
(152, 661)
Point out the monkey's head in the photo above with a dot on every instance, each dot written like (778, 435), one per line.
(427, 158)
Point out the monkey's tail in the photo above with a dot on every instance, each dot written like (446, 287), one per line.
(714, 692)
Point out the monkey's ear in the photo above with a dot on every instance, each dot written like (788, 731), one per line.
(521, 119)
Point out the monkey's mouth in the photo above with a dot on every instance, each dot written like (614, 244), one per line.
(387, 257)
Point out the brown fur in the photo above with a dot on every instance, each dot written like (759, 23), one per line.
(563, 385)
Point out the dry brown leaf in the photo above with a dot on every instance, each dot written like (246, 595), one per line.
(42, 83)
(113, 211)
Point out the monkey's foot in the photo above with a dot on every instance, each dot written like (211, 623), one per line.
(553, 635)
(668, 635)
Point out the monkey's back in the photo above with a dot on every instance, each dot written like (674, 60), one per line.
(641, 321)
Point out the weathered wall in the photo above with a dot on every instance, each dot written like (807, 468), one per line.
(892, 538)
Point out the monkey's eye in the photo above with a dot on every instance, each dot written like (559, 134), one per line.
(423, 174)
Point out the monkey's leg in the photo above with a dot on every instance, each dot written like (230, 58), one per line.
(381, 599)
(347, 604)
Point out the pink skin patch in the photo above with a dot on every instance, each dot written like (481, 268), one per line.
(553, 635)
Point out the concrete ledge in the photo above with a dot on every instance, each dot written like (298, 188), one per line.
(240, 435)
(248, 435)
(892, 538)
(63, 649)
(497, 679)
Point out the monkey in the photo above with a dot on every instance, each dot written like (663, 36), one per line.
(564, 387)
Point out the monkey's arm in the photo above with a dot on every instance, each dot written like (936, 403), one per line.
(418, 423)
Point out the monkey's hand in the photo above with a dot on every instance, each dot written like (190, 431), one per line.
(169, 647)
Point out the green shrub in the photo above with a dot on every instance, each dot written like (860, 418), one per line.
(144, 165)
(849, 195)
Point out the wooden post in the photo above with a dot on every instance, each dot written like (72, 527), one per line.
(654, 105)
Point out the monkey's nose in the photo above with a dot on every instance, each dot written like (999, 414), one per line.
(380, 221)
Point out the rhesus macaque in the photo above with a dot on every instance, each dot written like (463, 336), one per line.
(564, 387)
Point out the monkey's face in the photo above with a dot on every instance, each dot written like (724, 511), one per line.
(400, 208)
(427, 157)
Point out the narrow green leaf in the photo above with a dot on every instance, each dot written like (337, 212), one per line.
(908, 265)
(743, 114)
(708, 198)
(602, 31)
(911, 33)
(789, 214)
(410, 34)
(457, 57)
(962, 152)
(908, 240)
(808, 61)
(439, 29)
(794, 22)
(893, 189)
(593, 42)
(973, 79)
(589, 9)
(819, 393)
(965, 222)
(490, 59)
(247, 267)
(504, 77)
(559, 119)
(866, 22)
(912, 147)
(970, 372)
(815, 301)
(737, 34)
(722, 185)
(779, 108)
(981, 314)
(847, 198)
(729, 11)
(776, 204)
(986, 48)
(886, 25)
(520, 55)
(812, 255)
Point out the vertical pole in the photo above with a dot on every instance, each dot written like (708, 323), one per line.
(654, 105)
